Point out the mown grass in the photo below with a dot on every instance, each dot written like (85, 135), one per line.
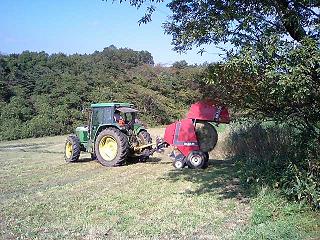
(42, 197)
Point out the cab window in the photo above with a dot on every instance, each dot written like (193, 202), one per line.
(101, 116)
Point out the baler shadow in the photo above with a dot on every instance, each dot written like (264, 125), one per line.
(154, 160)
(219, 177)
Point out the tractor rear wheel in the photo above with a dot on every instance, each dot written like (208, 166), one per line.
(72, 149)
(111, 147)
(196, 159)
(207, 136)
(143, 139)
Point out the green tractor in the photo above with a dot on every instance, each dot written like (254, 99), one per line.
(113, 135)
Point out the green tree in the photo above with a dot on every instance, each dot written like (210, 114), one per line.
(180, 64)
(273, 64)
(271, 72)
(42, 94)
(239, 22)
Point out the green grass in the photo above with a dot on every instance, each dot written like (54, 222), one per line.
(42, 197)
(273, 217)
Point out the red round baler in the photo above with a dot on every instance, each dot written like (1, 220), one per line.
(182, 134)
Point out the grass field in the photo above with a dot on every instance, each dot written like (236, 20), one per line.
(42, 197)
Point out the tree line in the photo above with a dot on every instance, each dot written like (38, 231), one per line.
(42, 94)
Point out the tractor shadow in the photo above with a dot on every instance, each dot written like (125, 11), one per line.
(219, 178)
(157, 160)
(85, 160)
(130, 161)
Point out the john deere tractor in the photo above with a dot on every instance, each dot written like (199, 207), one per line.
(113, 134)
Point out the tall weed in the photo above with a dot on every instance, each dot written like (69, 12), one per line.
(279, 156)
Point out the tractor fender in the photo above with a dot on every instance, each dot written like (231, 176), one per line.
(138, 128)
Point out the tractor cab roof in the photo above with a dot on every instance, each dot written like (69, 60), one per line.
(127, 109)
(114, 104)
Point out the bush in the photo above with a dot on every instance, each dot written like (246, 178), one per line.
(279, 156)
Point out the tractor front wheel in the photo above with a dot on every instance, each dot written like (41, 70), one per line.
(111, 147)
(93, 156)
(72, 149)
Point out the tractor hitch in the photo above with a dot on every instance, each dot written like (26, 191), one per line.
(158, 147)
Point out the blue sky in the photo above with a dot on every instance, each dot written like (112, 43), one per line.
(83, 26)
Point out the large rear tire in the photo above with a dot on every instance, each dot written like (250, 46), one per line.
(207, 136)
(111, 147)
(72, 149)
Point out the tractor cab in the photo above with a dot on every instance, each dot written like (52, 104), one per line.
(125, 117)
(119, 115)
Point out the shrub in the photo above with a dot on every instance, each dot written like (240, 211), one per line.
(280, 156)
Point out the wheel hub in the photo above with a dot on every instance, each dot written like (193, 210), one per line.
(108, 148)
(178, 164)
(68, 149)
(196, 160)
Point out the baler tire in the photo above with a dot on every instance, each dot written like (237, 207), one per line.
(72, 149)
(121, 152)
(196, 159)
(145, 138)
(178, 164)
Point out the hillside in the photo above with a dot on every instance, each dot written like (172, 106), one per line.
(42, 94)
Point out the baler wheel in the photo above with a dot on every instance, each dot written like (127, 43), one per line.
(178, 164)
(196, 159)
(111, 147)
(72, 149)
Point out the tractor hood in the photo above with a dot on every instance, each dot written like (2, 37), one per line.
(127, 109)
